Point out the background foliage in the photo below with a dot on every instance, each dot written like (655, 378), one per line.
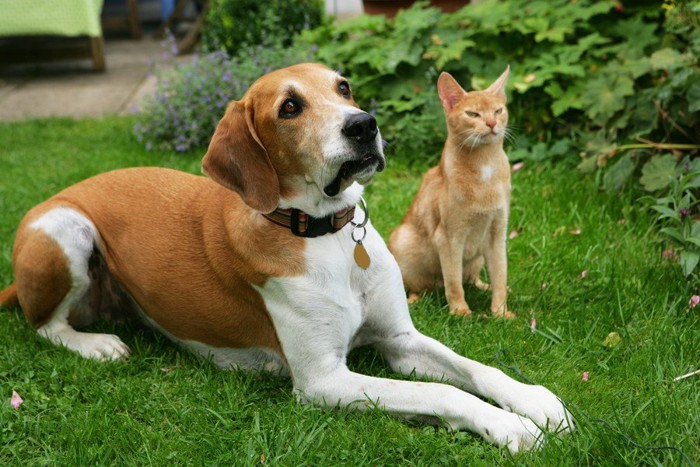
(612, 86)
(577, 69)
(190, 99)
(236, 25)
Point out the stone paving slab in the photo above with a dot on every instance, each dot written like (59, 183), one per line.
(72, 89)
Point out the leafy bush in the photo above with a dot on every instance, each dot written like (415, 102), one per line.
(577, 69)
(190, 99)
(678, 208)
(237, 25)
(612, 87)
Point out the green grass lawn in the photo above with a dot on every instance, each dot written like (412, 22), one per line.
(165, 406)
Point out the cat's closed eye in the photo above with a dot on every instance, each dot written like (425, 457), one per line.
(499, 111)
(471, 114)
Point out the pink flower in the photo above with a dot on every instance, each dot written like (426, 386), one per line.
(533, 324)
(669, 255)
(693, 302)
(513, 234)
(517, 166)
(584, 274)
(575, 231)
(16, 400)
(584, 376)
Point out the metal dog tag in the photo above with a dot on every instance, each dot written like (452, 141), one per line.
(361, 256)
(360, 253)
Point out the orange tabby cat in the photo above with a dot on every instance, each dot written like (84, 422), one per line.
(459, 217)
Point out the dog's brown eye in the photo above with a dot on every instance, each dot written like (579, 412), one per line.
(290, 108)
(344, 89)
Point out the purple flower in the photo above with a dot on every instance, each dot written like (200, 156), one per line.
(684, 212)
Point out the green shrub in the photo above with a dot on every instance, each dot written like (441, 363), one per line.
(190, 99)
(236, 25)
(613, 87)
(577, 70)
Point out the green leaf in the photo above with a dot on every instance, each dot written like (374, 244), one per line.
(694, 240)
(674, 234)
(606, 94)
(638, 34)
(588, 165)
(695, 229)
(693, 97)
(617, 175)
(689, 260)
(665, 59)
(564, 99)
(638, 67)
(667, 212)
(658, 172)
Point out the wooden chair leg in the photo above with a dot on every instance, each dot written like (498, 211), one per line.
(190, 40)
(133, 19)
(174, 15)
(97, 51)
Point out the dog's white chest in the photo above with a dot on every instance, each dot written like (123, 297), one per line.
(324, 304)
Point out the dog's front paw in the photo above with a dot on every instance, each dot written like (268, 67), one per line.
(513, 431)
(104, 347)
(541, 406)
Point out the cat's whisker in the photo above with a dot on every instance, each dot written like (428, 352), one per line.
(508, 135)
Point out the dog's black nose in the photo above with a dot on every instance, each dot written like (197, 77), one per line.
(361, 127)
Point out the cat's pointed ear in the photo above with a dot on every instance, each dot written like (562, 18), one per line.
(499, 86)
(449, 90)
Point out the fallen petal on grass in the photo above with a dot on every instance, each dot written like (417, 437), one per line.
(575, 231)
(16, 400)
(517, 166)
(584, 376)
(669, 255)
(584, 273)
(533, 324)
(693, 302)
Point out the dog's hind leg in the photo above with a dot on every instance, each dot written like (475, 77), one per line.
(52, 274)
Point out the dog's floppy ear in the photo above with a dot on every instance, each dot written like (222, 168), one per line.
(449, 90)
(238, 160)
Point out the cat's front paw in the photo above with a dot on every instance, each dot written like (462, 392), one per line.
(413, 298)
(462, 310)
(502, 313)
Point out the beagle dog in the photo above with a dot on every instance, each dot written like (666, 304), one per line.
(267, 264)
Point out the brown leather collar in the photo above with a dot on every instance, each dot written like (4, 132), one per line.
(303, 225)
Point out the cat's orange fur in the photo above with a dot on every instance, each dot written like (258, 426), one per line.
(458, 219)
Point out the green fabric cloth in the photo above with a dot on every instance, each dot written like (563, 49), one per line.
(54, 17)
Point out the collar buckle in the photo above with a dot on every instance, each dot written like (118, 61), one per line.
(314, 226)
